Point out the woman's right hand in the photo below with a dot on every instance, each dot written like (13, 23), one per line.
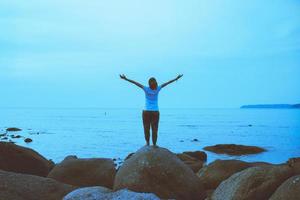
(122, 76)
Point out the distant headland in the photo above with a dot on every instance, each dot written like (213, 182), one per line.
(273, 106)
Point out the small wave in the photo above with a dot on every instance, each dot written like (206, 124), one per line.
(189, 125)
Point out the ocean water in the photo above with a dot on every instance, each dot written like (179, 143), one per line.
(114, 133)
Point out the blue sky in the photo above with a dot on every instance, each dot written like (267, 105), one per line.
(69, 53)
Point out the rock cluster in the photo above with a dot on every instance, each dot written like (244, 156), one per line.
(151, 173)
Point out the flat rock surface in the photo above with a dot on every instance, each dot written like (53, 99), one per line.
(234, 149)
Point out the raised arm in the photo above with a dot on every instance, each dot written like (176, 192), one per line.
(171, 81)
(131, 81)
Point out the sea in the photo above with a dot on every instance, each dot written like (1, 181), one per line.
(116, 132)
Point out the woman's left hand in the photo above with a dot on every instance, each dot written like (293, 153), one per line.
(179, 76)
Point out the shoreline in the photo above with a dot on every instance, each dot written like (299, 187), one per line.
(13, 135)
(119, 153)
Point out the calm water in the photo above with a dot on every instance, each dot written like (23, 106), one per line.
(115, 133)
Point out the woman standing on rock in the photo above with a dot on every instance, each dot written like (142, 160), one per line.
(151, 111)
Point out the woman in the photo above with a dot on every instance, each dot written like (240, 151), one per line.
(151, 111)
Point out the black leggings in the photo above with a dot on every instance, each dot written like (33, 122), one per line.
(150, 119)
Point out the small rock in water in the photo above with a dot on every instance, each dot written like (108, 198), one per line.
(15, 136)
(27, 140)
(4, 138)
(34, 133)
(13, 129)
(181, 141)
(3, 134)
(250, 125)
(195, 140)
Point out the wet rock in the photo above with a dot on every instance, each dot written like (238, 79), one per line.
(23, 160)
(28, 140)
(16, 136)
(195, 140)
(191, 162)
(101, 193)
(257, 183)
(13, 129)
(234, 149)
(85, 172)
(199, 155)
(290, 190)
(15, 186)
(159, 171)
(185, 157)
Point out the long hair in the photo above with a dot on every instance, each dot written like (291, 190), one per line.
(151, 81)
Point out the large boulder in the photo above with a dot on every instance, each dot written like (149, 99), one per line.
(23, 160)
(15, 186)
(257, 183)
(102, 193)
(85, 172)
(290, 190)
(159, 171)
(234, 149)
(219, 170)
